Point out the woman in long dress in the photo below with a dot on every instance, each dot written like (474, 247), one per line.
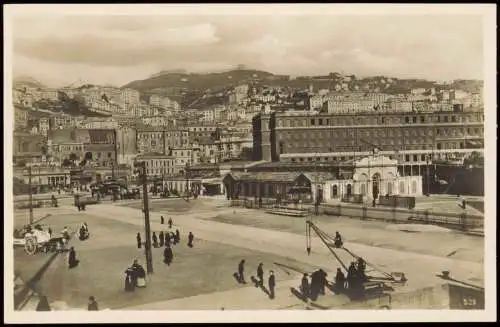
(72, 262)
(129, 284)
(139, 274)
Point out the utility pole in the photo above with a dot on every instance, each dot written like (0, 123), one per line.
(31, 195)
(147, 224)
(187, 180)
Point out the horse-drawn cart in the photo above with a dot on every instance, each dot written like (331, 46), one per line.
(39, 240)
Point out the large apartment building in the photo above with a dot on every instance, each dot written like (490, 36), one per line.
(407, 137)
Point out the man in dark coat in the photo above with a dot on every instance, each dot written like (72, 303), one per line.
(155, 240)
(168, 255)
(139, 240)
(338, 240)
(161, 238)
(72, 262)
(43, 304)
(314, 289)
(361, 267)
(92, 306)
(241, 270)
(190, 239)
(271, 284)
(170, 222)
(339, 280)
(177, 236)
(352, 275)
(162, 220)
(322, 281)
(167, 238)
(304, 285)
(260, 274)
(138, 272)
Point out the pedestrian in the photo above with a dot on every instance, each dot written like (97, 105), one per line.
(177, 236)
(43, 304)
(139, 275)
(155, 240)
(167, 238)
(260, 274)
(139, 240)
(161, 238)
(170, 222)
(72, 262)
(322, 281)
(241, 270)
(338, 240)
(129, 280)
(162, 220)
(314, 287)
(92, 306)
(304, 285)
(352, 276)
(339, 281)
(190, 239)
(168, 255)
(272, 284)
(361, 267)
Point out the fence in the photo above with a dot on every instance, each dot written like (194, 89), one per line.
(399, 215)
(394, 215)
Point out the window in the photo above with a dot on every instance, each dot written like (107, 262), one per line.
(349, 189)
(402, 187)
(422, 157)
(389, 188)
(363, 189)
(415, 158)
(335, 191)
(445, 119)
(313, 122)
(454, 119)
(407, 120)
(422, 119)
(320, 122)
(382, 120)
(414, 119)
(407, 157)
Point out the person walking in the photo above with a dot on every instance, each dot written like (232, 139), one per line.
(92, 306)
(241, 270)
(155, 240)
(139, 240)
(190, 239)
(167, 255)
(170, 222)
(72, 262)
(260, 274)
(177, 236)
(162, 220)
(167, 238)
(271, 284)
(161, 238)
(340, 281)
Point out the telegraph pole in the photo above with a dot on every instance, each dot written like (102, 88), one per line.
(187, 180)
(147, 224)
(31, 196)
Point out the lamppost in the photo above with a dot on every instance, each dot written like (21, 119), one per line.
(141, 169)
(187, 181)
(31, 195)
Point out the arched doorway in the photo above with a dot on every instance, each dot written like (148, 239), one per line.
(335, 191)
(376, 185)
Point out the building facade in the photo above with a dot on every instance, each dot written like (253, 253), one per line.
(407, 137)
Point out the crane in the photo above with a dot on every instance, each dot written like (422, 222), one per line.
(374, 274)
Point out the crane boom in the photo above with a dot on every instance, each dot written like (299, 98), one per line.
(329, 242)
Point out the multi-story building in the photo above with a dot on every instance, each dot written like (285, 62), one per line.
(20, 118)
(99, 123)
(408, 137)
(126, 145)
(49, 94)
(101, 144)
(201, 130)
(156, 121)
(130, 96)
(44, 125)
(63, 120)
(161, 140)
(62, 144)
(158, 164)
(316, 102)
(28, 148)
(185, 156)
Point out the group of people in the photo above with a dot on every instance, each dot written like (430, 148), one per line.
(355, 277)
(135, 276)
(271, 281)
(316, 286)
(84, 232)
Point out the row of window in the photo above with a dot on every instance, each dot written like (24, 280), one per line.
(325, 135)
(375, 120)
(159, 163)
(363, 189)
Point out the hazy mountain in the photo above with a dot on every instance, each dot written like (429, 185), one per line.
(196, 81)
(21, 81)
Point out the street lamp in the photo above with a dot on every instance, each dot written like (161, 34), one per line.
(141, 170)
(187, 180)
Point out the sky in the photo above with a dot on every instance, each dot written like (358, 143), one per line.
(59, 50)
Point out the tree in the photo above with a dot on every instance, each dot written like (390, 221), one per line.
(73, 157)
(66, 163)
(88, 156)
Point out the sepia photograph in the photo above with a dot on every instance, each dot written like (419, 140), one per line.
(249, 163)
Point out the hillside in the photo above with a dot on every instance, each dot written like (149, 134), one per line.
(26, 81)
(196, 82)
